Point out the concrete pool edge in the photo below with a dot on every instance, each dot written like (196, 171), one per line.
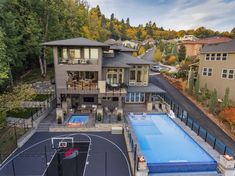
(192, 166)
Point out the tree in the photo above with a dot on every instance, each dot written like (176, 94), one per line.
(171, 60)
(12, 100)
(232, 33)
(141, 50)
(157, 55)
(197, 88)
(182, 53)
(225, 102)
(3, 60)
(213, 102)
(191, 83)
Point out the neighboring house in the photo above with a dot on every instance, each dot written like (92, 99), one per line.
(194, 47)
(92, 73)
(131, 44)
(149, 41)
(188, 38)
(217, 68)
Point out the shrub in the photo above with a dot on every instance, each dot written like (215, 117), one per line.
(59, 120)
(98, 116)
(171, 60)
(119, 117)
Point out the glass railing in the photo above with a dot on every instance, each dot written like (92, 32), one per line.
(184, 116)
(81, 61)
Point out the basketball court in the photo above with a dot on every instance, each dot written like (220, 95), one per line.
(69, 154)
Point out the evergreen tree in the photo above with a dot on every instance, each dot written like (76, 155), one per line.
(225, 102)
(213, 102)
(197, 88)
(191, 83)
(182, 53)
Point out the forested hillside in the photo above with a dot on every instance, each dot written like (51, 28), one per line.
(27, 23)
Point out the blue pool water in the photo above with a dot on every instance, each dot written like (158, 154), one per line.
(78, 119)
(167, 148)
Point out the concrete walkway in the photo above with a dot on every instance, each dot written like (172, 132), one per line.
(194, 112)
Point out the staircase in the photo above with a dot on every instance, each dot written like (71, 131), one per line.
(43, 127)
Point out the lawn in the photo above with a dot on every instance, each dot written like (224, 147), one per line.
(40, 97)
(22, 112)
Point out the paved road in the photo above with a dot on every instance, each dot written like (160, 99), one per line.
(193, 111)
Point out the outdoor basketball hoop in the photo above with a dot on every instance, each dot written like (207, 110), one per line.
(62, 145)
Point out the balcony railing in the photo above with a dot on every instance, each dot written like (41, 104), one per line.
(114, 89)
(78, 61)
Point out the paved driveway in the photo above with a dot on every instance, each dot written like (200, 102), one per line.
(193, 111)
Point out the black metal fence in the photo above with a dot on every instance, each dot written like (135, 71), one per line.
(13, 130)
(184, 116)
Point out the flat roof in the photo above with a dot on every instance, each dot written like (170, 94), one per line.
(151, 88)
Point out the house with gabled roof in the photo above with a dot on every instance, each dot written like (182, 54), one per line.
(217, 68)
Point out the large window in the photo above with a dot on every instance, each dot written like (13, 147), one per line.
(91, 53)
(135, 97)
(138, 76)
(227, 73)
(207, 71)
(115, 76)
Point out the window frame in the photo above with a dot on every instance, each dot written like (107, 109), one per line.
(227, 73)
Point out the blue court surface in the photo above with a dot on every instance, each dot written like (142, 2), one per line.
(99, 153)
(167, 148)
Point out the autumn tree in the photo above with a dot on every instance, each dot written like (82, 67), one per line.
(157, 55)
(141, 50)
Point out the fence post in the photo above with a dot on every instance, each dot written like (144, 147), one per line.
(135, 153)
(225, 148)
(192, 124)
(214, 143)
(198, 131)
(15, 135)
(206, 136)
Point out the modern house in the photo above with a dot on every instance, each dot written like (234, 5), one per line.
(193, 47)
(217, 68)
(131, 44)
(91, 73)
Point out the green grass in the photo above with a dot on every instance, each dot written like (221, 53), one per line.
(40, 97)
(35, 75)
(24, 113)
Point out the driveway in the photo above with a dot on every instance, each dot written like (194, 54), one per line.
(194, 112)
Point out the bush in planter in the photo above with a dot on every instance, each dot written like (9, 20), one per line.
(98, 116)
(119, 117)
(59, 120)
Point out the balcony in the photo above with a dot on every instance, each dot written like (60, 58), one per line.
(116, 89)
(81, 87)
(78, 61)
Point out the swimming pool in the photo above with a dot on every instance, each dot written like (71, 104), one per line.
(167, 148)
(77, 120)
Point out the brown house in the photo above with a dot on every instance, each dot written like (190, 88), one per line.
(217, 68)
(193, 48)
